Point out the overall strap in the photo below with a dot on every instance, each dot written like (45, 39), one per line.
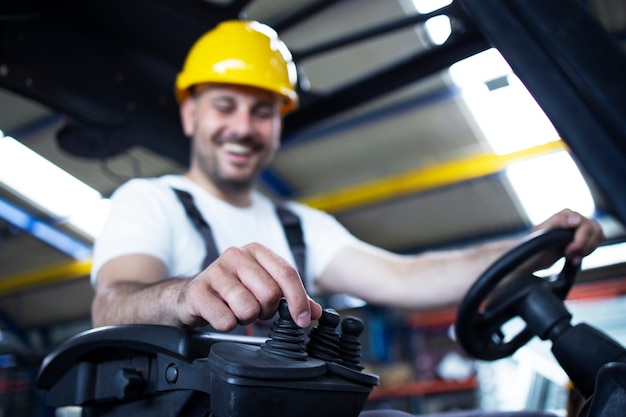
(292, 228)
(295, 237)
(201, 225)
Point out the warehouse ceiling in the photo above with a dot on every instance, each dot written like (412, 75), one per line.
(383, 139)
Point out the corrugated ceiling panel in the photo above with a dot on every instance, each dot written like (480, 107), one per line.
(398, 143)
(442, 216)
(22, 252)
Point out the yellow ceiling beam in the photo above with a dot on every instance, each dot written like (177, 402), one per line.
(422, 179)
(44, 276)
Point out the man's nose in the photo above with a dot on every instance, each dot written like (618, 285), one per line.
(240, 124)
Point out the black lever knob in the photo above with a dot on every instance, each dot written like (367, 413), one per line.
(286, 337)
(324, 338)
(349, 343)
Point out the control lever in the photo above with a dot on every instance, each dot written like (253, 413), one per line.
(284, 376)
(120, 370)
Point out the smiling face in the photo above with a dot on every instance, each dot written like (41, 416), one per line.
(235, 133)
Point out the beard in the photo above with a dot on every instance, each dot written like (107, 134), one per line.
(210, 167)
(230, 185)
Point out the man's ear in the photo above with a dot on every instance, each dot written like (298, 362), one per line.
(188, 115)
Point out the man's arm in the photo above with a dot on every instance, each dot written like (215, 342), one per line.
(133, 289)
(243, 284)
(439, 278)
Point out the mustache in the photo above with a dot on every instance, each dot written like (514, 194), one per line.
(247, 140)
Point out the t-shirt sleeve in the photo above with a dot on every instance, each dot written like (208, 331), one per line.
(136, 207)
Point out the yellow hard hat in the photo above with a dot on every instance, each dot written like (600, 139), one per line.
(241, 52)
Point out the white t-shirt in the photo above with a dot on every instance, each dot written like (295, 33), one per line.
(147, 218)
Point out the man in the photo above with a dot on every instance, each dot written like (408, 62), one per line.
(236, 85)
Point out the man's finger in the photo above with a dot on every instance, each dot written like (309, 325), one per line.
(199, 302)
(289, 281)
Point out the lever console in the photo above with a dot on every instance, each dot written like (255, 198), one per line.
(166, 371)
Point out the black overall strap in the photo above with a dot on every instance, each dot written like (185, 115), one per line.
(201, 225)
(295, 237)
(292, 228)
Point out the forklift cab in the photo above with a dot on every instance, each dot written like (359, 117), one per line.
(166, 371)
(573, 69)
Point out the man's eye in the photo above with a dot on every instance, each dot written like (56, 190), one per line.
(264, 112)
(224, 109)
(223, 106)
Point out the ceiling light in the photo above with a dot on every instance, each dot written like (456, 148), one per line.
(438, 28)
(509, 119)
(48, 187)
(546, 184)
(427, 6)
(506, 114)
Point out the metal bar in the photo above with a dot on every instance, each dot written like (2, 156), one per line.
(314, 109)
(43, 231)
(46, 275)
(368, 33)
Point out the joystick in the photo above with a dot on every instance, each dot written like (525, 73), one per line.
(286, 338)
(177, 372)
(350, 345)
(324, 338)
(342, 353)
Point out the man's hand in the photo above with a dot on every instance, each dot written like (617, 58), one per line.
(587, 237)
(242, 285)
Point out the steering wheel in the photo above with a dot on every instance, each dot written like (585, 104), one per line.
(485, 310)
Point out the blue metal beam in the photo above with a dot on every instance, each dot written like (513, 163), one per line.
(43, 231)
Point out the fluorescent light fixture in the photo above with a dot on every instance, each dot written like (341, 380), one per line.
(510, 120)
(427, 6)
(53, 190)
(40, 181)
(90, 220)
(549, 183)
(438, 28)
(507, 115)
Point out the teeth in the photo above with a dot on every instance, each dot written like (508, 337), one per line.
(237, 148)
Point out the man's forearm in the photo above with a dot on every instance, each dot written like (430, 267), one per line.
(438, 278)
(129, 302)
